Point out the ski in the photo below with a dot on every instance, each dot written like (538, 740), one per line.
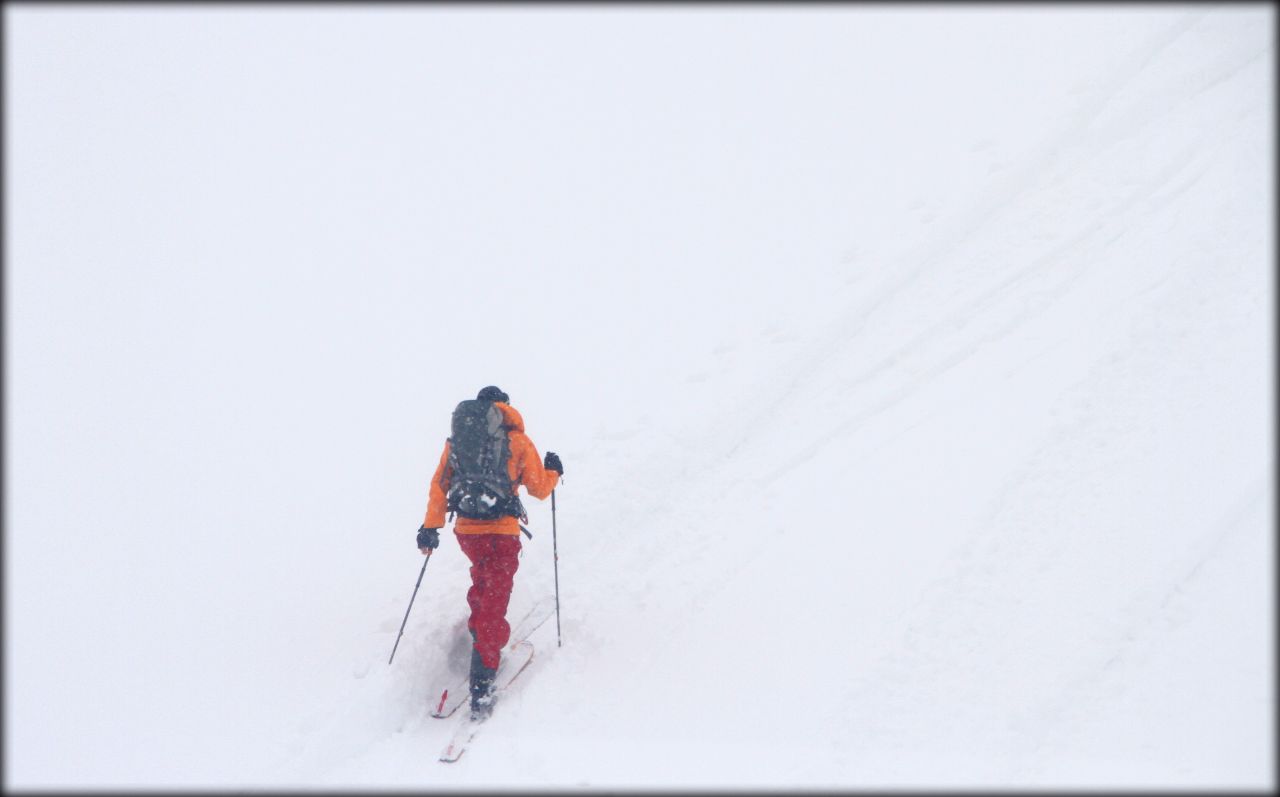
(533, 619)
(452, 699)
(514, 662)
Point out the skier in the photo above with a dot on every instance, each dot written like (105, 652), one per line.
(484, 463)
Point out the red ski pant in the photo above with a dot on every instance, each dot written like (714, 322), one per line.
(494, 559)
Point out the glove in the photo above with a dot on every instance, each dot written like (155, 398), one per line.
(428, 538)
(552, 462)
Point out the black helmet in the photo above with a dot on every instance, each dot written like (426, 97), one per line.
(492, 393)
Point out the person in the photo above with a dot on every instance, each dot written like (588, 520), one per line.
(492, 544)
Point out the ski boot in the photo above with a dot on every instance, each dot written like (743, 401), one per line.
(481, 688)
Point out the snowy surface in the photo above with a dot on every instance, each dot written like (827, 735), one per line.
(912, 369)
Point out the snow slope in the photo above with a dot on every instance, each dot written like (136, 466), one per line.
(912, 371)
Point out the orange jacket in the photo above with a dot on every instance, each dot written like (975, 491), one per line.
(524, 467)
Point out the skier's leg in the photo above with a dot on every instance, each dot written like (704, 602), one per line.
(476, 548)
(499, 569)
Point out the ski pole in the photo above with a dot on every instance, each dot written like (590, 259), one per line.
(406, 611)
(555, 553)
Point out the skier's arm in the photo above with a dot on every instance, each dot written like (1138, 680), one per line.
(537, 480)
(436, 499)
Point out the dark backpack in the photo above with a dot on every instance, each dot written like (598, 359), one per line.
(481, 488)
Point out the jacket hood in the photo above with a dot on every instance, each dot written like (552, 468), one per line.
(514, 421)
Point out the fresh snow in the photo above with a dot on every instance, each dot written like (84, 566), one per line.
(912, 369)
